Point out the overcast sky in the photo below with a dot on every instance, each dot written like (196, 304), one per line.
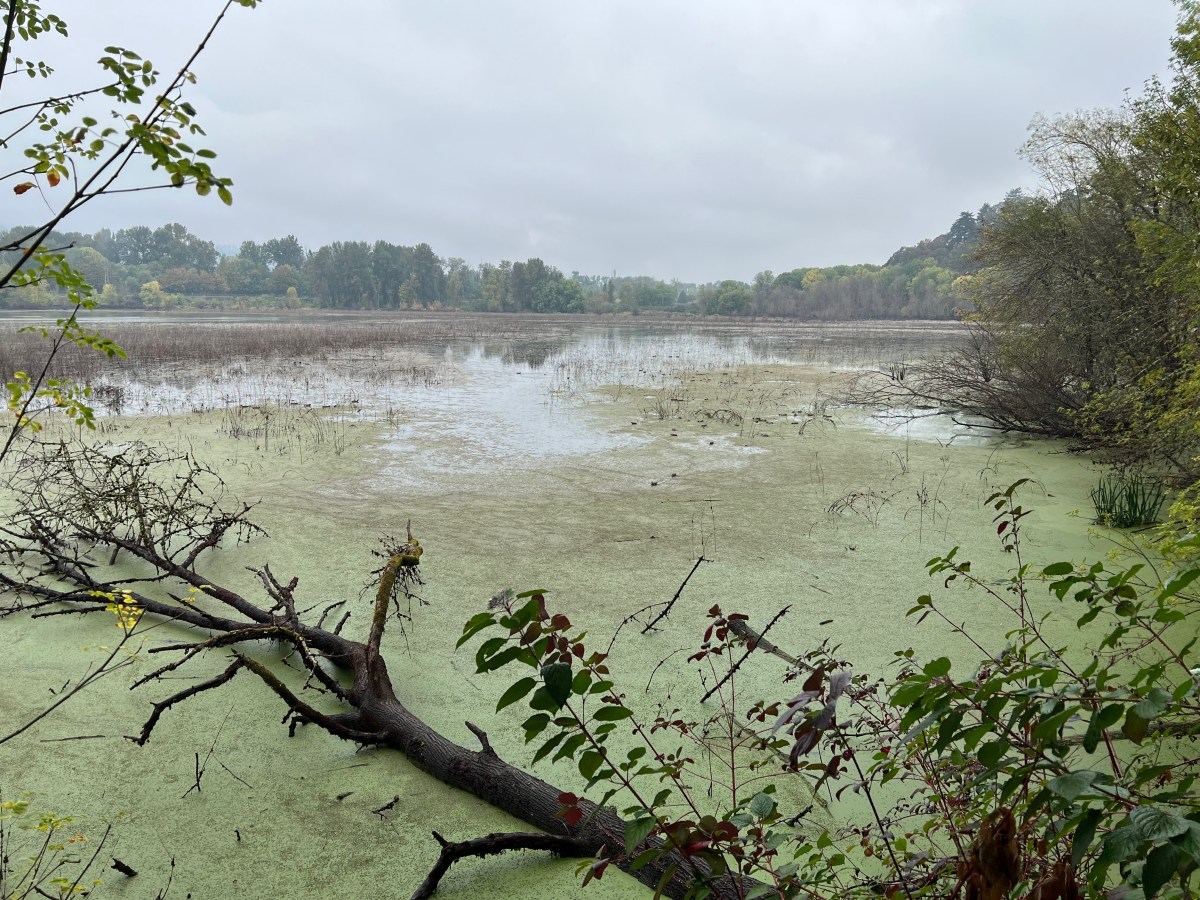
(682, 139)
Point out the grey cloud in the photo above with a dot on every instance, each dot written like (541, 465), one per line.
(680, 138)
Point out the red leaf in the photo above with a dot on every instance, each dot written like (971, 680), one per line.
(715, 611)
(572, 815)
(23, 187)
(566, 798)
(560, 622)
(52, 177)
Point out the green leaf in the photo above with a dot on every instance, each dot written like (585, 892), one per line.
(569, 746)
(485, 652)
(1058, 569)
(1135, 727)
(909, 692)
(1095, 731)
(991, 753)
(501, 659)
(665, 880)
(1156, 824)
(1073, 784)
(1153, 704)
(642, 858)
(636, 831)
(542, 700)
(1047, 729)
(759, 891)
(1110, 715)
(1117, 846)
(581, 682)
(1178, 582)
(545, 749)
(612, 713)
(535, 725)
(1189, 842)
(761, 805)
(938, 667)
(1160, 866)
(1084, 835)
(589, 763)
(516, 692)
(557, 678)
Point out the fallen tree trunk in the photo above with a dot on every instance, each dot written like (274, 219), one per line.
(80, 505)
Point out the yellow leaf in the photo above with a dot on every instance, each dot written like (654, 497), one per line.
(53, 178)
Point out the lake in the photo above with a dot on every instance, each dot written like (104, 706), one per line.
(594, 459)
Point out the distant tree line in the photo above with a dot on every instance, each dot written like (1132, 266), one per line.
(171, 267)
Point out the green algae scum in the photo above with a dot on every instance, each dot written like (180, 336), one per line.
(594, 461)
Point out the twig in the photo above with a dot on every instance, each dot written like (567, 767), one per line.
(387, 806)
(752, 644)
(493, 844)
(662, 615)
(88, 679)
(163, 705)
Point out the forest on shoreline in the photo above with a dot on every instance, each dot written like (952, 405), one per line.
(170, 268)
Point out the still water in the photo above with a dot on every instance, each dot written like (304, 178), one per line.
(593, 461)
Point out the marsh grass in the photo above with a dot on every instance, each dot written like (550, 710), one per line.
(152, 346)
(284, 429)
(1128, 500)
(867, 503)
(687, 369)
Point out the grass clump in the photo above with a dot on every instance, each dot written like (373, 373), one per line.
(1128, 500)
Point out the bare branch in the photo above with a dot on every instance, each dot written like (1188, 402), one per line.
(491, 845)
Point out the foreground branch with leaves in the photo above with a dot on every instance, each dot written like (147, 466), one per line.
(1041, 770)
(61, 151)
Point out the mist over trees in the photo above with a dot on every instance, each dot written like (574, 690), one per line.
(170, 267)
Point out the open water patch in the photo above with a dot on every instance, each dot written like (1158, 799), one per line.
(498, 418)
(943, 427)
